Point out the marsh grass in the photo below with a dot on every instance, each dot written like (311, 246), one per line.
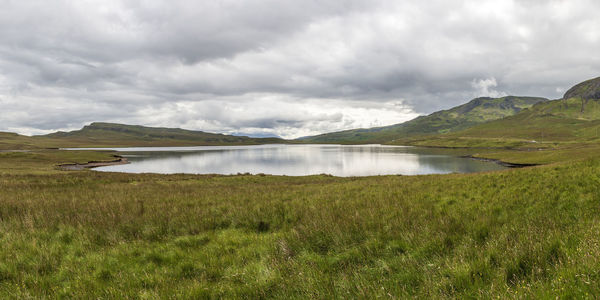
(531, 232)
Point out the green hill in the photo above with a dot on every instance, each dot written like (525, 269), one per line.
(573, 119)
(110, 134)
(13, 141)
(585, 91)
(120, 135)
(476, 111)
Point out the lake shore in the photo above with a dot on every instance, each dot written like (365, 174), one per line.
(439, 236)
(299, 160)
(94, 164)
(500, 162)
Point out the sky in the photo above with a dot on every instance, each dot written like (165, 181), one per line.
(281, 67)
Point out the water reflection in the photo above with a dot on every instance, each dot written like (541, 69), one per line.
(296, 160)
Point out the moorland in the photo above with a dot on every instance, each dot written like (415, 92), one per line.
(521, 233)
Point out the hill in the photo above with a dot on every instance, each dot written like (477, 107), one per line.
(476, 111)
(585, 91)
(573, 119)
(13, 141)
(120, 135)
(110, 134)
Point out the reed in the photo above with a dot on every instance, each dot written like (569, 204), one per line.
(531, 233)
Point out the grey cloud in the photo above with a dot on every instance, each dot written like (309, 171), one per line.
(283, 67)
(112, 31)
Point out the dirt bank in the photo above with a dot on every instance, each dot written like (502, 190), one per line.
(94, 164)
(502, 163)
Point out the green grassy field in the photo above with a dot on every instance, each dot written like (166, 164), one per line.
(521, 233)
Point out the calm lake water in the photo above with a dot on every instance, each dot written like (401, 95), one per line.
(295, 160)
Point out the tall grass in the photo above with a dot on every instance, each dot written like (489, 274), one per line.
(519, 233)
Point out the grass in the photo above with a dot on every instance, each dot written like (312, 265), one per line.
(46, 161)
(525, 233)
(13, 141)
(540, 156)
(520, 233)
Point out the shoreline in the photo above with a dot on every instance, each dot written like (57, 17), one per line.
(94, 164)
(122, 161)
(500, 162)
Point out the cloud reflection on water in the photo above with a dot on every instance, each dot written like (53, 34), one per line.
(296, 160)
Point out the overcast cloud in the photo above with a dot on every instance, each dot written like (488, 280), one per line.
(290, 68)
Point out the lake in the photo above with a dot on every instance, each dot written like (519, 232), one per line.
(295, 160)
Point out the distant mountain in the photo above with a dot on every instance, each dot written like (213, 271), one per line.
(573, 119)
(483, 122)
(476, 111)
(257, 135)
(589, 89)
(110, 134)
(585, 91)
(13, 141)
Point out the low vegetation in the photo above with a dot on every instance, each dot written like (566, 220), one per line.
(530, 233)
(519, 233)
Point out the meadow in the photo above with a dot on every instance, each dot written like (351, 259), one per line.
(520, 233)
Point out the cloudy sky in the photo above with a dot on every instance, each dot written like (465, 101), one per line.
(285, 67)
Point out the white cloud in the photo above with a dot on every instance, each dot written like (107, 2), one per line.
(287, 67)
(484, 88)
(275, 114)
